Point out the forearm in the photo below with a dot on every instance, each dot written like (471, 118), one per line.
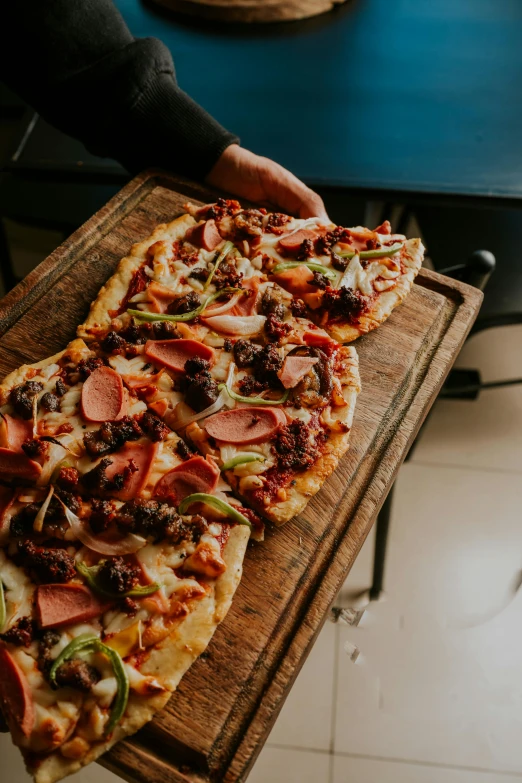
(81, 69)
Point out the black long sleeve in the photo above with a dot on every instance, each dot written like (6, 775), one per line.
(77, 64)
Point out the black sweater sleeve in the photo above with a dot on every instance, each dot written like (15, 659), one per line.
(77, 64)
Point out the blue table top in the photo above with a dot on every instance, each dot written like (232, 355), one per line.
(410, 95)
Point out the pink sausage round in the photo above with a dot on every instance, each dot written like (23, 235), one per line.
(204, 235)
(16, 699)
(137, 457)
(294, 368)
(17, 431)
(58, 605)
(174, 353)
(103, 397)
(293, 241)
(195, 475)
(244, 425)
(13, 463)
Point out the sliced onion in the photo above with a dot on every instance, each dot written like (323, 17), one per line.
(124, 546)
(179, 421)
(245, 325)
(39, 518)
(35, 416)
(225, 307)
(349, 276)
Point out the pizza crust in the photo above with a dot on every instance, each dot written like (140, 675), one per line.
(309, 482)
(115, 289)
(385, 302)
(168, 662)
(76, 349)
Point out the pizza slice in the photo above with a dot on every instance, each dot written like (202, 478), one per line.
(185, 270)
(113, 577)
(347, 280)
(269, 396)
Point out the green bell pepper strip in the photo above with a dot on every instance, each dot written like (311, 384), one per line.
(381, 252)
(3, 611)
(242, 459)
(87, 643)
(217, 503)
(313, 265)
(150, 317)
(254, 400)
(90, 574)
(227, 247)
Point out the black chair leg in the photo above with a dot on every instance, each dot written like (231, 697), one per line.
(381, 540)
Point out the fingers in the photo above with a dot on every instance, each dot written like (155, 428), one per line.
(289, 193)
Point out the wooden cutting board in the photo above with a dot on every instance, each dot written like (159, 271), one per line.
(216, 723)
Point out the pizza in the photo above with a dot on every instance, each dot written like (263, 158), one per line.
(112, 577)
(208, 390)
(210, 362)
(347, 280)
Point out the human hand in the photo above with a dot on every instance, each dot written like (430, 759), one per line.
(262, 181)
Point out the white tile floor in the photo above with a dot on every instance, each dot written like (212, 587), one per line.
(435, 695)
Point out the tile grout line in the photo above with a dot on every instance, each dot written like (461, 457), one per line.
(391, 759)
(455, 466)
(333, 716)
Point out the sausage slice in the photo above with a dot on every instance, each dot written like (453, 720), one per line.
(103, 397)
(59, 604)
(204, 235)
(294, 368)
(14, 464)
(16, 699)
(244, 425)
(137, 457)
(195, 475)
(174, 353)
(293, 241)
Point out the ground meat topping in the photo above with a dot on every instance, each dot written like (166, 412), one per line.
(113, 343)
(77, 674)
(34, 447)
(50, 402)
(118, 575)
(298, 308)
(275, 329)
(276, 223)
(47, 642)
(184, 304)
(201, 390)
(154, 427)
(249, 222)
(245, 353)
(271, 304)
(223, 208)
(267, 364)
(319, 280)
(201, 274)
(151, 518)
(344, 303)
(60, 388)
(226, 276)
(49, 565)
(88, 366)
(111, 436)
(183, 450)
(21, 398)
(306, 250)
(68, 479)
(248, 386)
(294, 446)
(21, 633)
(102, 512)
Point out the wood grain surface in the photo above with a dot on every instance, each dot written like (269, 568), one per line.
(216, 723)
